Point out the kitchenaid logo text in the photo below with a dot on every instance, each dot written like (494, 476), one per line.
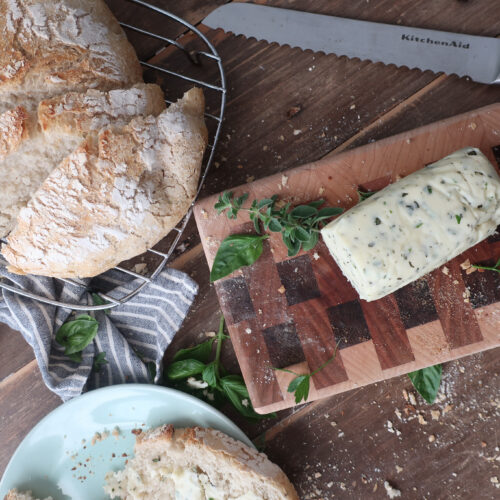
(413, 38)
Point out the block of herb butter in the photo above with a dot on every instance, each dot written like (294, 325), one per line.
(417, 224)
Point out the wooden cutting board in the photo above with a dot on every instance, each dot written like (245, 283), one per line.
(291, 312)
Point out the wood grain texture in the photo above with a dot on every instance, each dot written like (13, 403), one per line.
(338, 447)
(337, 178)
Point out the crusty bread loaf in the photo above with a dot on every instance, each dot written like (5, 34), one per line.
(116, 195)
(31, 148)
(18, 495)
(197, 464)
(49, 47)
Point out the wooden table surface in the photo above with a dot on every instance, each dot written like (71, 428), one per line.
(346, 446)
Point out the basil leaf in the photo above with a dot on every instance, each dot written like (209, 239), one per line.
(185, 368)
(76, 357)
(427, 381)
(199, 352)
(209, 375)
(236, 251)
(99, 301)
(99, 361)
(236, 391)
(275, 226)
(300, 385)
(303, 211)
(77, 334)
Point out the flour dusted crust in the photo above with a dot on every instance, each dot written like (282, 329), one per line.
(48, 47)
(95, 109)
(232, 467)
(116, 195)
(32, 145)
(13, 128)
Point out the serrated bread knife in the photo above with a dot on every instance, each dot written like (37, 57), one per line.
(465, 55)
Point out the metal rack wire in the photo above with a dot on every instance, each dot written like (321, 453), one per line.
(220, 87)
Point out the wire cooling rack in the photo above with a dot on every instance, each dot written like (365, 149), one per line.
(199, 58)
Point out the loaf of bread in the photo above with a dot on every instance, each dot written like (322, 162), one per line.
(50, 47)
(197, 464)
(116, 195)
(112, 173)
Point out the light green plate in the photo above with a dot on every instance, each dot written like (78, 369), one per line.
(58, 458)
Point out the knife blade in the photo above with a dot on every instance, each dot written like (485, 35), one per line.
(465, 55)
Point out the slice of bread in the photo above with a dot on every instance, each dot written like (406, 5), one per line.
(116, 195)
(197, 464)
(24, 495)
(31, 147)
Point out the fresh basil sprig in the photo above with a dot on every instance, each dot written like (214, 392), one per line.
(301, 383)
(299, 227)
(76, 335)
(427, 381)
(364, 195)
(193, 371)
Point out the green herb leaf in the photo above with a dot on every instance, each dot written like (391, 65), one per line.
(327, 212)
(300, 385)
(200, 352)
(496, 267)
(76, 335)
(304, 211)
(459, 218)
(275, 226)
(364, 195)
(185, 368)
(301, 234)
(209, 375)
(317, 203)
(427, 381)
(311, 243)
(236, 251)
(99, 301)
(99, 361)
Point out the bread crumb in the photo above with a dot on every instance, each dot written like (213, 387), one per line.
(399, 469)
(281, 137)
(330, 484)
(391, 491)
(412, 399)
(284, 180)
(282, 289)
(240, 166)
(196, 384)
(204, 213)
(471, 270)
(405, 394)
(455, 282)
(432, 438)
(465, 264)
(116, 432)
(421, 419)
(315, 256)
(297, 131)
(472, 126)
(483, 444)
(141, 267)
(210, 334)
(435, 414)
(250, 178)
(445, 270)
(317, 475)
(352, 106)
(321, 190)
(447, 408)
(265, 148)
(342, 486)
(494, 479)
(248, 330)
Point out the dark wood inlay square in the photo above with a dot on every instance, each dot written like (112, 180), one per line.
(298, 278)
(416, 305)
(348, 323)
(235, 299)
(484, 287)
(494, 237)
(496, 153)
(283, 345)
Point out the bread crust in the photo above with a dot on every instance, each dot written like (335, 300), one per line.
(190, 446)
(53, 46)
(118, 194)
(13, 129)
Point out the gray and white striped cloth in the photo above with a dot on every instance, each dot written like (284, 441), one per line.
(134, 335)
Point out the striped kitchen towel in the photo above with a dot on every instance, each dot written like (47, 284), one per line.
(133, 336)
